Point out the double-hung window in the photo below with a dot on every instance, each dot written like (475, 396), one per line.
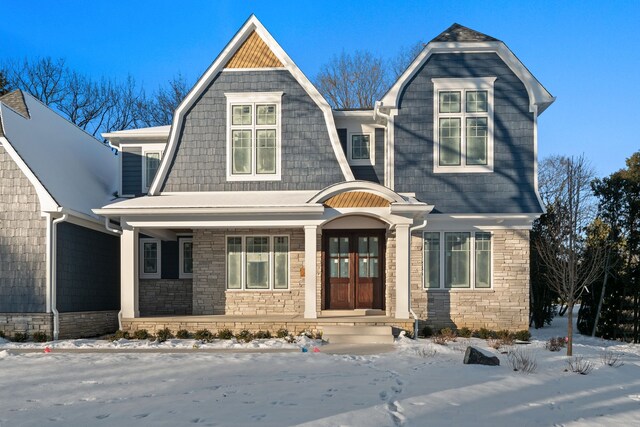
(185, 257)
(457, 260)
(258, 262)
(463, 124)
(151, 157)
(253, 136)
(150, 257)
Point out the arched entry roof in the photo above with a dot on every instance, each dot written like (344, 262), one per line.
(358, 186)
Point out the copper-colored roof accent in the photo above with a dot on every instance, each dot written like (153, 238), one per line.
(356, 199)
(254, 53)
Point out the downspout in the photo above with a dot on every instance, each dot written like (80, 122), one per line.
(389, 144)
(118, 232)
(54, 275)
(413, 313)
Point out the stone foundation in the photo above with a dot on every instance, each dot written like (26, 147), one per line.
(10, 323)
(505, 306)
(87, 324)
(165, 297)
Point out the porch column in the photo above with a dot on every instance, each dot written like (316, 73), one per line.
(129, 272)
(402, 271)
(310, 257)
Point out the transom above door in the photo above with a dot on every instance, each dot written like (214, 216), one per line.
(354, 269)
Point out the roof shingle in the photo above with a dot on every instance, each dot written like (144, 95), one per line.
(460, 33)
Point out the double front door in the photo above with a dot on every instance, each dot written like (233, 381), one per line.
(354, 269)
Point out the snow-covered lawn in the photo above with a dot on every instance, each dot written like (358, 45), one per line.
(419, 384)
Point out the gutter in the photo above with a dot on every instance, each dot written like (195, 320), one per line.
(413, 313)
(53, 275)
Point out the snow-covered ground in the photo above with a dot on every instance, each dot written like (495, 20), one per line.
(419, 384)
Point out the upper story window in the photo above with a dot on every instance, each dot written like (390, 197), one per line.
(463, 124)
(151, 160)
(360, 149)
(253, 136)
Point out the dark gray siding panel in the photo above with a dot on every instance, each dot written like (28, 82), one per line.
(308, 159)
(510, 188)
(342, 135)
(131, 170)
(88, 269)
(170, 260)
(368, 173)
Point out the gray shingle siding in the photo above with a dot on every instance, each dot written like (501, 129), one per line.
(23, 234)
(88, 269)
(308, 159)
(510, 188)
(131, 170)
(367, 173)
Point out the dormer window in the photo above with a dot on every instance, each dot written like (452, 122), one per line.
(253, 136)
(360, 149)
(463, 125)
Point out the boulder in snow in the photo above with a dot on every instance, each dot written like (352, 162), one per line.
(474, 356)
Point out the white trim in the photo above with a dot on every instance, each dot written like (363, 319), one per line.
(472, 260)
(158, 273)
(243, 261)
(403, 265)
(535, 161)
(253, 99)
(538, 95)
(47, 203)
(129, 283)
(181, 273)
(252, 24)
(235, 70)
(368, 186)
(371, 161)
(353, 113)
(310, 269)
(462, 85)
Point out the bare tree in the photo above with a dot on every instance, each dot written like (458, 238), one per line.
(43, 78)
(567, 193)
(166, 101)
(4, 83)
(404, 58)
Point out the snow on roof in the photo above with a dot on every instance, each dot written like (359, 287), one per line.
(77, 170)
(154, 133)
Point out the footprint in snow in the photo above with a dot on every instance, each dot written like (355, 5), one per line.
(102, 416)
(383, 395)
(140, 416)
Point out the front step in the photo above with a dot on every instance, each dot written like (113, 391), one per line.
(352, 313)
(357, 334)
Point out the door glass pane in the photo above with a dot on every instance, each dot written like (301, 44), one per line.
(344, 246)
(344, 267)
(241, 151)
(363, 266)
(241, 115)
(334, 246)
(449, 102)
(187, 257)
(281, 262)
(483, 260)
(449, 142)
(432, 260)
(457, 260)
(363, 246)
(373, 246)
(257, 262)
(150, 252)
(234, 262)
(477, 132)
(266, 151)
(266, 114)
(373, 267)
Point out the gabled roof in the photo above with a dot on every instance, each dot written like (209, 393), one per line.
(460, 33)
(252, 28)
(460, 39)
(69, 169)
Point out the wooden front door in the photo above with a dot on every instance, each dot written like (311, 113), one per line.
(354, 269)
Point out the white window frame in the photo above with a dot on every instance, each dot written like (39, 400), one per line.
(472, 261)
(157, 274)
(181, 273)
(148, 149)
(371, 161)
(253, 99)
(243, 272)
(463, 85)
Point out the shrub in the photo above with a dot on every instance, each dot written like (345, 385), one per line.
(183, 334)
(485, 334)
(262, 335)
(20, 337)
(427, 331)
(282, 333)
(448, 334)
(425, 352)
(464, 332)
(523, 335)
(225, 334)
(494, 343)
(121, 335)
(439, 339)
(244, 335)
(610, 358)
(521, 360)
(204, 335)
(142, 334)
(555, 344)
(2, 335)
(40, 336)
(579, 365)
(164, 334)
(318, 335)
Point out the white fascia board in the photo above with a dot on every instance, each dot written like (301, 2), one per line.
(228, 222)
(538, 96)
(236, 210)
(47, 203)
(413, 208)
(481, 221)
(354, 113)
(252, 24)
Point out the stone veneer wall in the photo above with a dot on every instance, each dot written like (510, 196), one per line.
(10, 323)
(210, 295)
(87, 324)
(23, 247)
(505, 306)
(165, 297)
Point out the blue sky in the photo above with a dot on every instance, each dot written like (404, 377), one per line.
(586, 53)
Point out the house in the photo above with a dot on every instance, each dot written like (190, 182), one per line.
(260, 207)
(59, 265)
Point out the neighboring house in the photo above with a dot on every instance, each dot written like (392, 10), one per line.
(59, 266)
(261, 207)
